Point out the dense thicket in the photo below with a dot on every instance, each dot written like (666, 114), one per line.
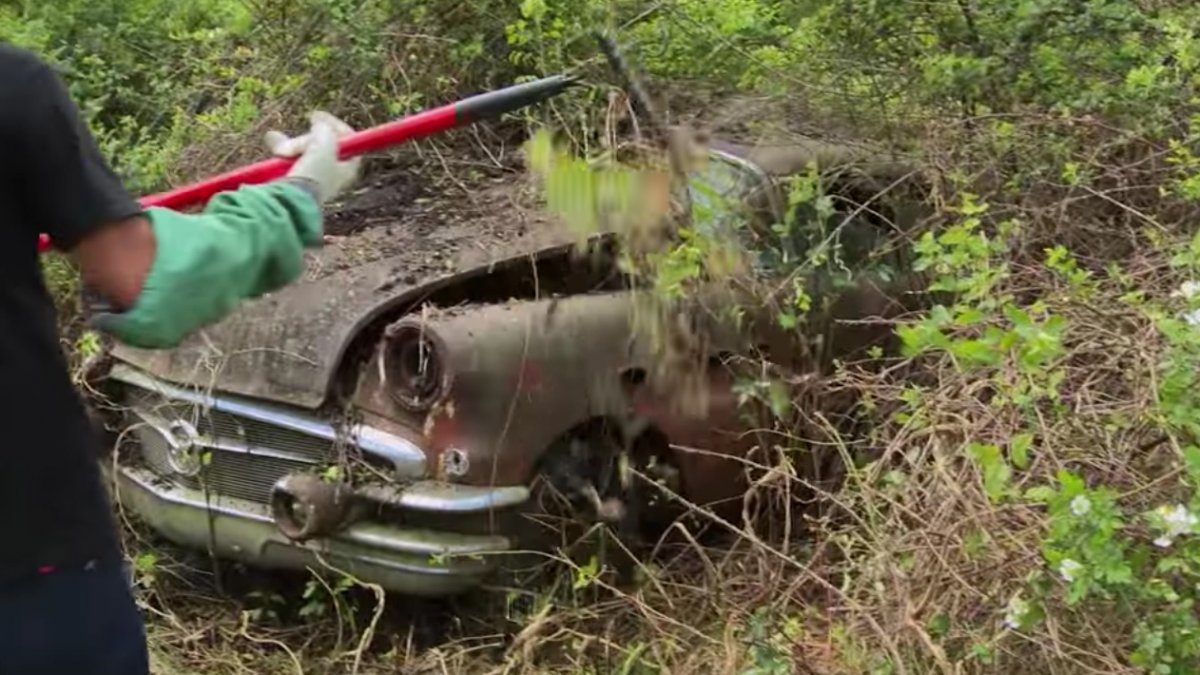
(1030, 502)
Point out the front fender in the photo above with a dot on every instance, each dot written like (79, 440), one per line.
(516, 377)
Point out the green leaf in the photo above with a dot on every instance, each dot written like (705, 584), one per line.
(533, 9)
(939, 625)
(145, 562)
(780, 399)
(1070, 174)
(1018, 450)
(586, 574)
(976, 352)
(983, 653)
(975, 542)
(996, 472)
(969, 316)
(1071, 484)
(1191, 461)
(1041, 494)
(1017, 316)
(1118, 574)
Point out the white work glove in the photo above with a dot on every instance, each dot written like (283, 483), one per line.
(318, 165)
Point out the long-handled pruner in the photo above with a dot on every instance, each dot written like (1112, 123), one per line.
(425, 123)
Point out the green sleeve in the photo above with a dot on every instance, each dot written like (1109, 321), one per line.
(246, 243)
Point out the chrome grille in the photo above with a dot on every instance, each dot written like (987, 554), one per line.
(246, 456)
(222, 426)
(247, 476)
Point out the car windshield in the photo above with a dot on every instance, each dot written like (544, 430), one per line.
(814, 232)
(718, 190)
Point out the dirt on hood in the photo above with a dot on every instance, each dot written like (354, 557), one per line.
(434, 221)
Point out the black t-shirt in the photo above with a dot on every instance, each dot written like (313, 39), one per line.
(53, 506)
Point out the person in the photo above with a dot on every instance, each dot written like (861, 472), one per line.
(65, 601)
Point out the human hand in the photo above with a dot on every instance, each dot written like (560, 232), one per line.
(318, 164)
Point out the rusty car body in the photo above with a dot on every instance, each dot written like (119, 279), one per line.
(397, 428)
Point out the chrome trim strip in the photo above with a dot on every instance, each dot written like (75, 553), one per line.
(742, 162)
(399, 451)
(432, 570)
(408, 459)
(446, 497)
(376, 536)
(372, 535)
(159, 424)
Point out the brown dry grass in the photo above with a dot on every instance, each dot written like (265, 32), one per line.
(905, 567)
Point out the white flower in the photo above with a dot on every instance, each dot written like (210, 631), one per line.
(1187, 289)
(1015, 612)
(1177, 521)
(1080, 505)
(1068, 569)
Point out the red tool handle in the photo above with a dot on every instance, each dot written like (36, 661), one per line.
(427, 123)
(376, 138)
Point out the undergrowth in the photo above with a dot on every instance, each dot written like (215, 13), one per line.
(1007, 484)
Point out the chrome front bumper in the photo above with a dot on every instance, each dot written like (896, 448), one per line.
(205, 466)
(400, 559)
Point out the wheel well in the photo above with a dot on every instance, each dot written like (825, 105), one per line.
(643, 440)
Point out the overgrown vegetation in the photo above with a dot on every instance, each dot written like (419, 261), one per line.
(1019, 489)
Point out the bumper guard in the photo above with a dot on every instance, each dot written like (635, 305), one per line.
(400, 559)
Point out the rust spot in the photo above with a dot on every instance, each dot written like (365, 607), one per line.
(529, 377)
(441, 428)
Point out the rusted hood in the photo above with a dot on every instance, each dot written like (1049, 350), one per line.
(287, 346)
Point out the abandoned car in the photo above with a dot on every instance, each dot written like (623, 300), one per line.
(403, 425)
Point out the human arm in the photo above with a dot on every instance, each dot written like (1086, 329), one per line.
(165, 274)
(115, 259)
(61, 183)
(245, 243)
